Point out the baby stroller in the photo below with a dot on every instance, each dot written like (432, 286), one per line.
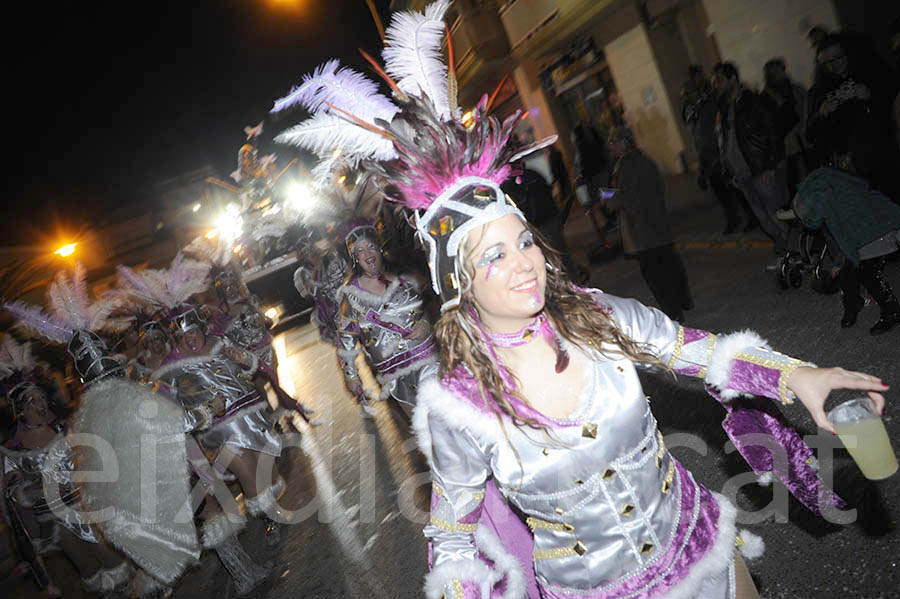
(808, 255)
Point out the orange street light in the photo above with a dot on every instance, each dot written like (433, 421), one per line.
(66, 250)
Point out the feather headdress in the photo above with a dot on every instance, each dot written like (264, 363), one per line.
(15, 357)
(169, 288)
(415, 144)
(73, 321)
(71, 309)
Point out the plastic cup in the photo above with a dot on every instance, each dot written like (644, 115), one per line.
(862, 433)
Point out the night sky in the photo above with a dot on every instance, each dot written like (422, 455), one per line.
(109, 98)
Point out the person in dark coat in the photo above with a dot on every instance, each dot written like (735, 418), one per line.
(640, 202)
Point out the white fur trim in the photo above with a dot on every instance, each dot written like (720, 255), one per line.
(434, 401)
(108, 579)
(717, 560)
(765, 479)
(753, 546)
(505, 566)
(221, 527)
(266, 502)
(718, 372)
(193, 360)
(367, 298)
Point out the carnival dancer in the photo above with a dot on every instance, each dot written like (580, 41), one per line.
(39, 499)
(537, 393)
(321, 273)
(218, 528)
(235, 315)
(202, 367)
(131, 423)
(381, 314)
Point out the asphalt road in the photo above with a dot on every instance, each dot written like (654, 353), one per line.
(359, 487)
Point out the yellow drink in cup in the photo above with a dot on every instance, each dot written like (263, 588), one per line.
(862, 433)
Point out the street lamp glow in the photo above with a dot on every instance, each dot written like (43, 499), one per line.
(66, 250)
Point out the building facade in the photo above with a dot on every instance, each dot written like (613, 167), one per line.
(600, 62)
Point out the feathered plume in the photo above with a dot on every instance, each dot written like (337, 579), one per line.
(345, 105)
(413, 56)
(36, 320)
(184, 278)
(423, 147)
(69, 298)
(15, 357)
(216, 252)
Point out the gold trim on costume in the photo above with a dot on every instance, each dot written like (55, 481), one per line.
(560, 552)
(534, 523)
(786, 367)
(453, 526)
(679, 344)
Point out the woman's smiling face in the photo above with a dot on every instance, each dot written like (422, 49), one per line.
(509, 277)
(368, 256)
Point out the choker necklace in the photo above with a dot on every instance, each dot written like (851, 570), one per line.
(523, 336)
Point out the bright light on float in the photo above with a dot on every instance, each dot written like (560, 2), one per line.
(212, 234)
(272, 313)
(196, 207)
(300, 197)
(230, 224)
(66, 250)
(237, 249)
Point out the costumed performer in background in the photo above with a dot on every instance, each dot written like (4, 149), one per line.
(39, 499)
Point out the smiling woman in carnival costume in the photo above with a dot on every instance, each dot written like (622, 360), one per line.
(537, 394)
(381, 313)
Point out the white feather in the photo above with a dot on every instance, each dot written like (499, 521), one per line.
(325, 133)
(412, 54)
(345, 88)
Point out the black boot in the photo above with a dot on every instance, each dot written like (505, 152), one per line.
(870, 275)
(850, 297)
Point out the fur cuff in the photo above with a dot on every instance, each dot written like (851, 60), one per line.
(266, 503)
(718, 372)
(106, 580)
(750, 545)
(220, 527)
(455, 573)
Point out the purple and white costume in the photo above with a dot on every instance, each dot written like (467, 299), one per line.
(611, 512)
(381, 325)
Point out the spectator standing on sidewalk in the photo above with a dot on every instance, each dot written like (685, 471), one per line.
(640, 202)
(790, 98)
(752, 149)
(591, 169)
(850, 106)
(698, 111)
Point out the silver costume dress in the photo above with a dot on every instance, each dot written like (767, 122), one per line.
(611, 512)
(381, 325)
(40, 480)
(198, 380)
